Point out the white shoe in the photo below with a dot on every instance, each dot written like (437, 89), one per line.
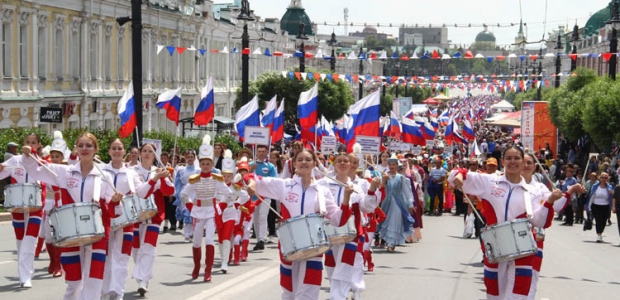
(142, 288)
(106, 297)
(357, 295)
(27, 284)
(599, 239)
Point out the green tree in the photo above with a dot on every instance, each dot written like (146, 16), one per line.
(334, 98)
(451, 71)
(480, 67)
(601, 114)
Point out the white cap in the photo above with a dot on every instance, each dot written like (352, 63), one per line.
(59, 144)
(228, 163)
(206, 150)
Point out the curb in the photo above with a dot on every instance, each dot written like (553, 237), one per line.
(5, 216)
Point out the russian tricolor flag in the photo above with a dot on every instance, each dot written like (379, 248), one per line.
(307, 112)
(127, 113)
(394, 125)
(411, 133)
(468, 130)
(206, 107)
(450, 130)
(269, 113)
(428, 131)
(460, 139)
(365, 116)
(434, 123)
(170, 100)
(248, 115)
(277, 132)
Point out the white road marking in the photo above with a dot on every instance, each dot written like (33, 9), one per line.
(248, 279)
(6, 262)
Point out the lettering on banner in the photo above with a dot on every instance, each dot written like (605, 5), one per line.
(255, 135)
(156, 143)
(370, 144)
(416, 150)
(329, 144)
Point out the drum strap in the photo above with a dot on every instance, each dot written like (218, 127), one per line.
(321, 199)
(528, 204)
(130, 182)
(97, 188)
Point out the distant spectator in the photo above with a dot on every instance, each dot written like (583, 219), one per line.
(11, 149)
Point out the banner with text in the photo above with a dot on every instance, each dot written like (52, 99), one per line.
(536, 127)
(329, 144)
(255, 135)
(156, 143)
(370, 144)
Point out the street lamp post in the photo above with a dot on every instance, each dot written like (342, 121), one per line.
(244, 15)
(136, 62)
(574, 39)
(538, 92)
(613, 42)
(558, 60)
(302, 36)
(333, 42)
(361, 85)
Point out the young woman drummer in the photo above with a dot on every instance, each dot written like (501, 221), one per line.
(127, 182)
(504, 199)
(529, 168)
(81, 182)
(299, 196)
(26, 225)
(344, 263)
(145, 234)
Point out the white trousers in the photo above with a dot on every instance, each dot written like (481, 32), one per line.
(260, 220)
(188, 230)
(116, 265)
(208, 227)
(88, 288)
(25, 257)
(144, 257)
(301, 291)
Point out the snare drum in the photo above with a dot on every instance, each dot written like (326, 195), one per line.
(129, 214)
(146, 208)
(508, 241)
(77, 224)
(343, 234)
(302, 237)
(23, 198)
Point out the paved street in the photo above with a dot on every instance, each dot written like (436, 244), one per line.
(441, 266)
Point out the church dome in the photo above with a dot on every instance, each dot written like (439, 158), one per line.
(370, 30)
(597, 20)
(294, 15)
(485, 36)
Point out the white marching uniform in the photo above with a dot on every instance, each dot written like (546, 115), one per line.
(348, 272)
(127, 182)
(229, 217)
(301, 279)
(505, 201)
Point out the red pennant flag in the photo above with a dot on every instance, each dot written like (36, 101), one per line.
(335, 77)
(277, 53)
(373, 55)
(435, 54)
(573, 56)
(606, 56)
(181, 50)
(468, 54)
(309, 55)
(404, 57)
(297, 74)
(317, 76)
(341, 55)
(355, 78)
(245, 51)
(215, 51)
(533, 57)
(500, 57)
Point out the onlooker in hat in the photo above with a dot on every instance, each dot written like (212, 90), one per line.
(491, 166)
(11, 149)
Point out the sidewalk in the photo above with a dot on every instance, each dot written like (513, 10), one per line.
(5, 216)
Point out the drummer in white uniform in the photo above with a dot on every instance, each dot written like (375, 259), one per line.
(26, 225)
(299, 196)
(81, 183)
(127, 182)
(507, 198)
(344, 263)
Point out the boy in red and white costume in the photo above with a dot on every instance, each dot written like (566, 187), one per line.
(227, 210)
(26, 225)
(243, 226)
(200, 198)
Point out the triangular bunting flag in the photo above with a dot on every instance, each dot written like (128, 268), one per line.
(225, 50)
(202, 51)
(170, 50)
(159, 48)
(181, 50)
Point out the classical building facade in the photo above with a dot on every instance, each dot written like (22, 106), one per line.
(73, 55)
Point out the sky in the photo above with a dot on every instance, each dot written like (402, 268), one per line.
(438, 12)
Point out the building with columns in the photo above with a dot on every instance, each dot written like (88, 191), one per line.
(73, 55)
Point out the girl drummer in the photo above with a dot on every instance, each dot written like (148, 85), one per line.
(145, 234)
(127, 182)
(26, 225)
(537, 187)
(344, 263)
(80, 183)
(504, 199)
(301, 195)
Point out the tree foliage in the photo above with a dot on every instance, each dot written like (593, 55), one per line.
(334, 98)
(601, 114)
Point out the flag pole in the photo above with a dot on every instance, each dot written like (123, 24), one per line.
(174, 149)
(137, 137)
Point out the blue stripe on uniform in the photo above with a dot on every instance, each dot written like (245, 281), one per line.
(34, 221)
(523, 272)
(128, 237)
(152, 229)
(98, 257)
(490, 274)
(314, 265)
(351, 247)
(18, 224)
(286, 272)
(539, 254)
(67, 260)
(329, 253)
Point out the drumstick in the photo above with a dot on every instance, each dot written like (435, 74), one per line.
(42, 164)
(543, 171)
(334, 179)
(473, 207)
(238, 178)
(106, 178)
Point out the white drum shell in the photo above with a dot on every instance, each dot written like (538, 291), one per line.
(130, 214)
(23, 197)
(76, 224)
(508, 241)
(146, 208)
(302, 237)
(343, 234)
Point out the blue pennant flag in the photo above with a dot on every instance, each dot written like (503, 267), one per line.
(170, 50)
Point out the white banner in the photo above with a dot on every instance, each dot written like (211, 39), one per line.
(394, 146)
(404, 147)
(329, 144)
(416, 150)
(255, 135)
(430, 143)
(527, 124)
(156, 143)
(370, 144)
(448, 149)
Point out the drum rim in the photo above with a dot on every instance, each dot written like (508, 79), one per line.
(518, 220)
(59, 243)
(67, 206)
(307, 248)
(312, 215)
